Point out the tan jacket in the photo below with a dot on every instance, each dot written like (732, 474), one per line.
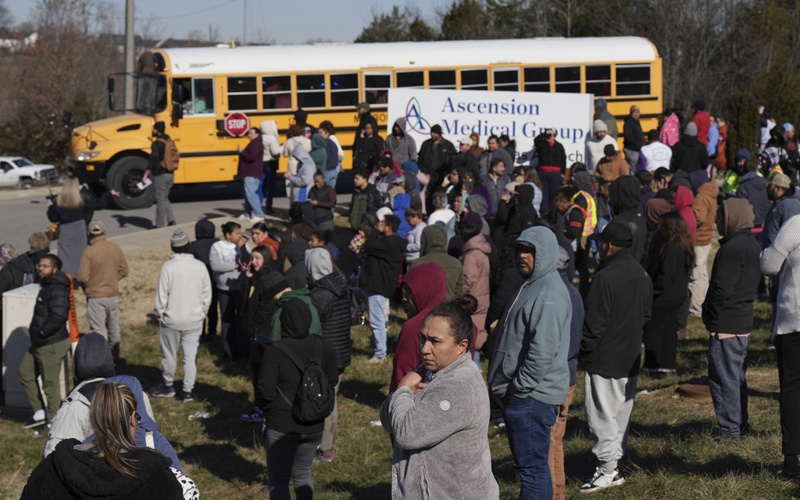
(102, 266)
(608, 171)
(705, 211)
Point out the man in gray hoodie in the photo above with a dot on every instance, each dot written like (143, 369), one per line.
(529, 370)
(402, 145)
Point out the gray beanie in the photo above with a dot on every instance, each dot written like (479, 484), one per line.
(318, 263)
(690, 129)
(600, 126)
(179, 239)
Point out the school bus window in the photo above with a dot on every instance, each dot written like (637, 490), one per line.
(344, 89)
(151, 96)
(198, 95)
(568, 79)
(311, 91)
(537, 79)
(474, 79)
(242, 93)
(442, 79)
(276, 92)
(410, 79)
(598, 80)
(633, 79)
(376, 87)
(506, 79)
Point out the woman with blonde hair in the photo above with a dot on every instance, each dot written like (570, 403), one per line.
(110, 466)
(72, 209)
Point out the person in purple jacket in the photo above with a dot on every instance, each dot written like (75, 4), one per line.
(251, 168)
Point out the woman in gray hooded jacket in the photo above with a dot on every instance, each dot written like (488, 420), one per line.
(439, 416)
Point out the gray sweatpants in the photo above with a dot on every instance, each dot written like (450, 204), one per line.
(609, 403)
(170, 340)
(162, 183)
(103, 313)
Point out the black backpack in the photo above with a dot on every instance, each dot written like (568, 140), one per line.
(314, 399)
(358, 307)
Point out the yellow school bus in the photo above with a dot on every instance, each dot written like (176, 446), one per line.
(193, 90)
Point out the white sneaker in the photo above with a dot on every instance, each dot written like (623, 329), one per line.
(244, 216)
(600, 480)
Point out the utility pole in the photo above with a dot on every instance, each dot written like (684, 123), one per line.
(130, 98)
(244, 36)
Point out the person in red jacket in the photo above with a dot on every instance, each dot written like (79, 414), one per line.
(702, 120)
(423, 288)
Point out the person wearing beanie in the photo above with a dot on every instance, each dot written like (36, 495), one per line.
(728, 316)
(702, 121)
(616, 308)
(101, 268)
(689, 154)
(435, 155)
(611, 167)
(595, 146)
(655, 154)
(91, 364)
(183, 295)
(633, 137)
(162, 178)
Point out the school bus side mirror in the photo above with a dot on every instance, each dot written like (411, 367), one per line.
(111, 93)
(177, 111)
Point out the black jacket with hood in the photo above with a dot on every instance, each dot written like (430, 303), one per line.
(49, 323)
(624, 203)
(616, 309)
(331, 296)
(13, 273)
(204, 233)
(277, 371)
(728, 307)
(522, 215)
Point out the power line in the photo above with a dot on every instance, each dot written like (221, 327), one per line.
(198, 11)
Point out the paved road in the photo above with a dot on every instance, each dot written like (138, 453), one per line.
(21, 217)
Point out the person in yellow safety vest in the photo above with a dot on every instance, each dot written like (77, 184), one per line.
(574, 215)
(590, 211)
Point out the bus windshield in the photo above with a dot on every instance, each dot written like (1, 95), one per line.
(151, 96)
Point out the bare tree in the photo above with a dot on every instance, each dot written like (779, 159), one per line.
(6, 19)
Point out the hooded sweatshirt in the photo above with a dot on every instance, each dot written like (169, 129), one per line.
(522, 215)
(753, 189)
(414, 242)
(318, 153)
(689, 155)
(91, 364)
(403, 146)
(705, 211)
(270, 141)
(427, 283)
(288, 150)
(624, 203)
(782, 258)
(479, 205)
(433, 248)
(477, 274)
(303, 179)
(204, 233)
(183, 293)
(601, 108)
(279, 377)
(530, 359)
(401, 203)
(683, 205)
(728, 307)
(331, 297)
(251, 160)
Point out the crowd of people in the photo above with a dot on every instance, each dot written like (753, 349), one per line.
(537, 268)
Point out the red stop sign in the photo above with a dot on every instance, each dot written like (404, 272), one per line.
(237, 124)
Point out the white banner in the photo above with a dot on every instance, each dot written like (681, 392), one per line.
(520, 115)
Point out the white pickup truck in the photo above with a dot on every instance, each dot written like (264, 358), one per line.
(19, 171)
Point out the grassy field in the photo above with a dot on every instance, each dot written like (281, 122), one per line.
(670, 452)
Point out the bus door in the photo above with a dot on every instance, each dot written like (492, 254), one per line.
(196, 136)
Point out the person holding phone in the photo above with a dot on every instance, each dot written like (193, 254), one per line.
(440, 408)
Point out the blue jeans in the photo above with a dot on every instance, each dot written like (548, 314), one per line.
(331, 175)
(268, 183)
(377, 321)
(528, 423)
(251, 201)
(727, 366)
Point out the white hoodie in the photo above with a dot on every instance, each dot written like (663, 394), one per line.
(269, 138)
(183, 293)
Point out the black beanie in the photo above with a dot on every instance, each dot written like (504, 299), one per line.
(617, 234)
(92, 358)
(610, 150)
(274, 282)
(437, 129)
(159, 127)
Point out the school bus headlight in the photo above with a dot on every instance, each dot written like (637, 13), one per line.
(87, 155)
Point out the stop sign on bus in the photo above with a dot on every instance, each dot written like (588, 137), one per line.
(237, 124)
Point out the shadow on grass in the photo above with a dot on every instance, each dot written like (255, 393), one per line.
(359, 492)
(366, 393)
(223, 461)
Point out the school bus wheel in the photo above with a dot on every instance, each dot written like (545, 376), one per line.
(124, 175)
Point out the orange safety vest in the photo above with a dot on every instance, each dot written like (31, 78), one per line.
(73, 313)
(591, 212)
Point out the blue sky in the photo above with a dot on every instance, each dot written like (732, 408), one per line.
(279, 21)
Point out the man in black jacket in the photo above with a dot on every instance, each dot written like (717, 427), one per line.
(205, 237)
(49, 342)
(633, 137)
(22, 268)
(624, 203)
(617, 307)
(435, 162)
(384, 261)
(728, 316)
(162, 178)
